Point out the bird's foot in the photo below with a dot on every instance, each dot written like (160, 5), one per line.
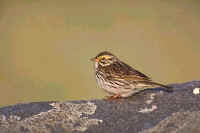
(113, 97)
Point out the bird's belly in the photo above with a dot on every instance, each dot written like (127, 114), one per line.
(112, 88)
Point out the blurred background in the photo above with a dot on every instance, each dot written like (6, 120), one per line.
(45, 46)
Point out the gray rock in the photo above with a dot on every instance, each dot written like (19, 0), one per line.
(151, 111)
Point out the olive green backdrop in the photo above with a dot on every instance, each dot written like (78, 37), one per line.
(45, 46)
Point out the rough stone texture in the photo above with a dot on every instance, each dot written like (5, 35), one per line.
(151, 111)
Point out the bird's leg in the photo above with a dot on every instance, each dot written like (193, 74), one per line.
(117, 96)
(113, 97)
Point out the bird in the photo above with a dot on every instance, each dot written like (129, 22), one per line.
(119, 79)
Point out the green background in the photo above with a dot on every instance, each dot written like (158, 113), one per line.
(45, 46)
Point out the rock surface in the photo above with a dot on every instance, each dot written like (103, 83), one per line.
(151, 111)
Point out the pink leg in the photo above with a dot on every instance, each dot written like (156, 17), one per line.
(114, 97)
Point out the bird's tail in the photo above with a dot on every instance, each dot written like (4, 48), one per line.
(167, 88)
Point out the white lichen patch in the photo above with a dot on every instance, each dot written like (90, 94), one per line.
(2, 118)
(196, 91)
(76, 116)
(15, 118)
(66, 116)
(152, 96)
(148, 110)
(10, 118)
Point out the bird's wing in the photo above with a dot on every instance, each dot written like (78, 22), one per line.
(126, 72)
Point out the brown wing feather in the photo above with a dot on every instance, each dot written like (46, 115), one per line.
(121, 69)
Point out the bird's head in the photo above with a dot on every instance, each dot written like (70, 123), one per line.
(104, 59)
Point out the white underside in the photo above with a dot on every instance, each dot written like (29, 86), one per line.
(123, 92)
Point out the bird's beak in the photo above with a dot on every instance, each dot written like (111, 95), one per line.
(94, 60)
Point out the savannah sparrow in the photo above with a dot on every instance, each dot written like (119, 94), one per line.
(119, 79)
